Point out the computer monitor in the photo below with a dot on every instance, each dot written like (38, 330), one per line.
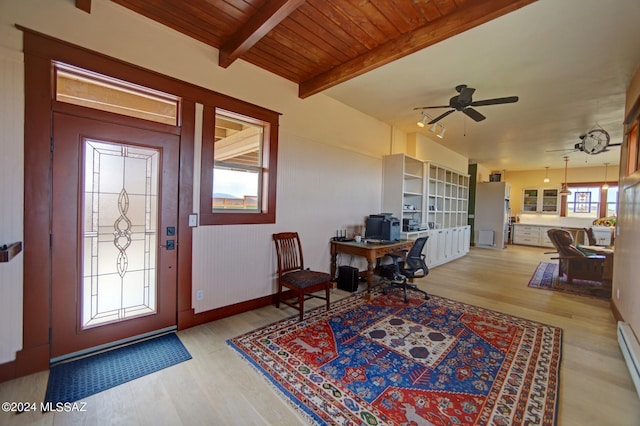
(373, 227)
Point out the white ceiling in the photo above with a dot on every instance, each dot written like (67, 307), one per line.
(569, 61)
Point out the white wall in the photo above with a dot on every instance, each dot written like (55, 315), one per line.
(11, 199)
(329, 158)
(321, 188)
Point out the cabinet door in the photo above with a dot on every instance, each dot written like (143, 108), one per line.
(461, 248)
(549, 200)
(530, 200)
(448, 244)
(441, 246)
(432, 249)
(467, 238)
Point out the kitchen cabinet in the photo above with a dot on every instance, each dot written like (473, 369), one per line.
(531, 235)
(541, 200)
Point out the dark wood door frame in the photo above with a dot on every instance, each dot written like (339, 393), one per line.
(40, 51)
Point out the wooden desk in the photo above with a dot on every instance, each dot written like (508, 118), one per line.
(371, 252)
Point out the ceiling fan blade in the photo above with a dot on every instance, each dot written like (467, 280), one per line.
(475, 115)
(441, 116)
(563, 150)
(465, 95)
(430, 107)
(614, 144)
(496, 101)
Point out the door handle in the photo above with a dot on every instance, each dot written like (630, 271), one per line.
(170, 245)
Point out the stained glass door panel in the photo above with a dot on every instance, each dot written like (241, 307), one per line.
(120, 232)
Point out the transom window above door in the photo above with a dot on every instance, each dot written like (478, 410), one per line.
(92, 90)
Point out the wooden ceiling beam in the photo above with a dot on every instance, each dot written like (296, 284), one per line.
(84, 5)
(474, 13)
(270, 15)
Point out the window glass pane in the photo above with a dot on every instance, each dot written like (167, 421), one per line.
(612, 201)
(237, 170)
(583, 202)
(91, 90)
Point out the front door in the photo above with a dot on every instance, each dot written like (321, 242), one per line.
(114, 233)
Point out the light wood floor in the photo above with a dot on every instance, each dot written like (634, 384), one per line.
(216, 387)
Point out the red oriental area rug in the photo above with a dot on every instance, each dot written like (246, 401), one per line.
(426, 362)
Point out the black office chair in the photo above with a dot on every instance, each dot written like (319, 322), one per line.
(407, 266)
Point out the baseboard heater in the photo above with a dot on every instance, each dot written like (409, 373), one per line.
(631, 352)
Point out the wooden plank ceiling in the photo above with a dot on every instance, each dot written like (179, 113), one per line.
(318, 43)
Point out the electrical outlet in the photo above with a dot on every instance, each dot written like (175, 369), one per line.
(199, 295)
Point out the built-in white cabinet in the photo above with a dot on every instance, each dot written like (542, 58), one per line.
(531, 235)
(541, 200)
(443, 245)
(430, 200)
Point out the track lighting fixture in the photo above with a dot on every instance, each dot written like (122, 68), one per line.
(423, 121)
(434, 126)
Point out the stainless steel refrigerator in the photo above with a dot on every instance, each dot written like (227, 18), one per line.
(492, 214)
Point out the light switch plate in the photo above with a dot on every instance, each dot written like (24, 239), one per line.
(193, 220)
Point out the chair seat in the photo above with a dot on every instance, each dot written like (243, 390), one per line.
(305, 278)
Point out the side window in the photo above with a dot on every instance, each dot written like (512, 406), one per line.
(237, 164)
(239, 159)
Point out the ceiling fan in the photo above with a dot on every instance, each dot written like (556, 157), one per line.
(593, 142)
(464, 102)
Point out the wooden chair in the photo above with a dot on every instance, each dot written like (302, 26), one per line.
(292, 275)
(572, 262)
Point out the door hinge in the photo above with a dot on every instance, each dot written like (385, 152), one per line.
(51, 144)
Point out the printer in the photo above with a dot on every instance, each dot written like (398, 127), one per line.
(382, 226)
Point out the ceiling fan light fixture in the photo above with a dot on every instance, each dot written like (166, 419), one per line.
(546, 176)
(441, 134)
(423, 121)
(433, 127)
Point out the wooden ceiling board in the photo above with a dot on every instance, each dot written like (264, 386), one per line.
(319, 43)
(318, 34)
(208, 32)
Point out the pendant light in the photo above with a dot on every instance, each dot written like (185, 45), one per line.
(546, 175)
(606, 185)
(565, 188)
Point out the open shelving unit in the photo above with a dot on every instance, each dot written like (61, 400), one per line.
(447, 197)
(436, 197)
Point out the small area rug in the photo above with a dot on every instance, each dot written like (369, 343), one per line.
(546, 277)
(426, 362)
(74, 380)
